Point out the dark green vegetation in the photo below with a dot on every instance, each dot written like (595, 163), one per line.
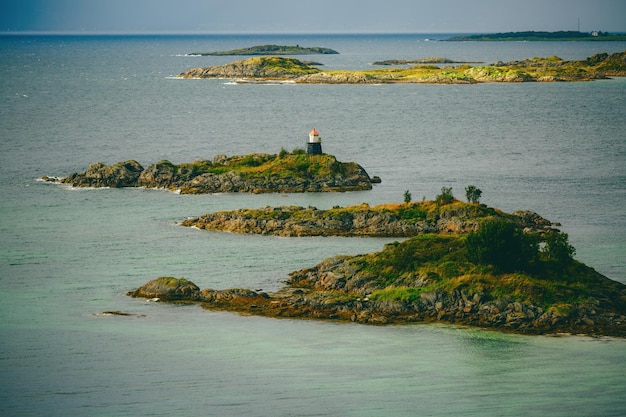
(503, 245)
(259, 69)
(255, 173)
(272, 50)
(542, 36)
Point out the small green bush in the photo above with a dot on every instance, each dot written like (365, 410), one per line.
(445, 197)
(473, 194)
(502, 244)
(558, 249)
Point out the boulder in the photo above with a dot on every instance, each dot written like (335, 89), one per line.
(168, 288)
(159, 175)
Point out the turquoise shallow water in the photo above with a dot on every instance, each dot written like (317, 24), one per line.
(67, 255)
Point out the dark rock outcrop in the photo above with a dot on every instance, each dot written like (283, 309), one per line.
(121, 174)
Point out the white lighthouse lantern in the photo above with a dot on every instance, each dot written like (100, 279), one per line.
(314, 145)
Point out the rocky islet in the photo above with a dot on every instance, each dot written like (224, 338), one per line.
(424, 279)
(388, 220)
(252, 173)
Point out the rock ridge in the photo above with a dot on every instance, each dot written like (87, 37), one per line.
(389, 220)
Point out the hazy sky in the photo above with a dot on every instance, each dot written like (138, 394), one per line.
(311, 16)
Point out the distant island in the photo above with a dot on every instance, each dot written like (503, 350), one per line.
(484, 268)
(434, 60)
(271, 50)
(286, 172)
(280, 69)
(541, 36)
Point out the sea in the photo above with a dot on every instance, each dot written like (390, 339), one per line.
(69, 255)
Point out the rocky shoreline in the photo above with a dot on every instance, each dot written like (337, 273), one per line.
(320, 293)
(253, 173)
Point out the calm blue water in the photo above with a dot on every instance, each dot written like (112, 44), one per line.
(68, 254)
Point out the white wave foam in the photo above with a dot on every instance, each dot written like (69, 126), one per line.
(70, 187)
(55, 180)
(239, 81)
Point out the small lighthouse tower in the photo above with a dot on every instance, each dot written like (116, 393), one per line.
(314, 145)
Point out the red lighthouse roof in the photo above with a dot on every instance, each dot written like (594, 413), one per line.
(314, 132)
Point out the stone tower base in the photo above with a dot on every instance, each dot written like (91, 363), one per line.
(314, 148)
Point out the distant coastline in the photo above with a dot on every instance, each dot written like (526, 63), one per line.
(541, 36)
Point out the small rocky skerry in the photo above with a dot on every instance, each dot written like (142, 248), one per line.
(253, 173)
(439, 277)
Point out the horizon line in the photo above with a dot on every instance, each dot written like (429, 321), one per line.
(89, 33)
(249, 33)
